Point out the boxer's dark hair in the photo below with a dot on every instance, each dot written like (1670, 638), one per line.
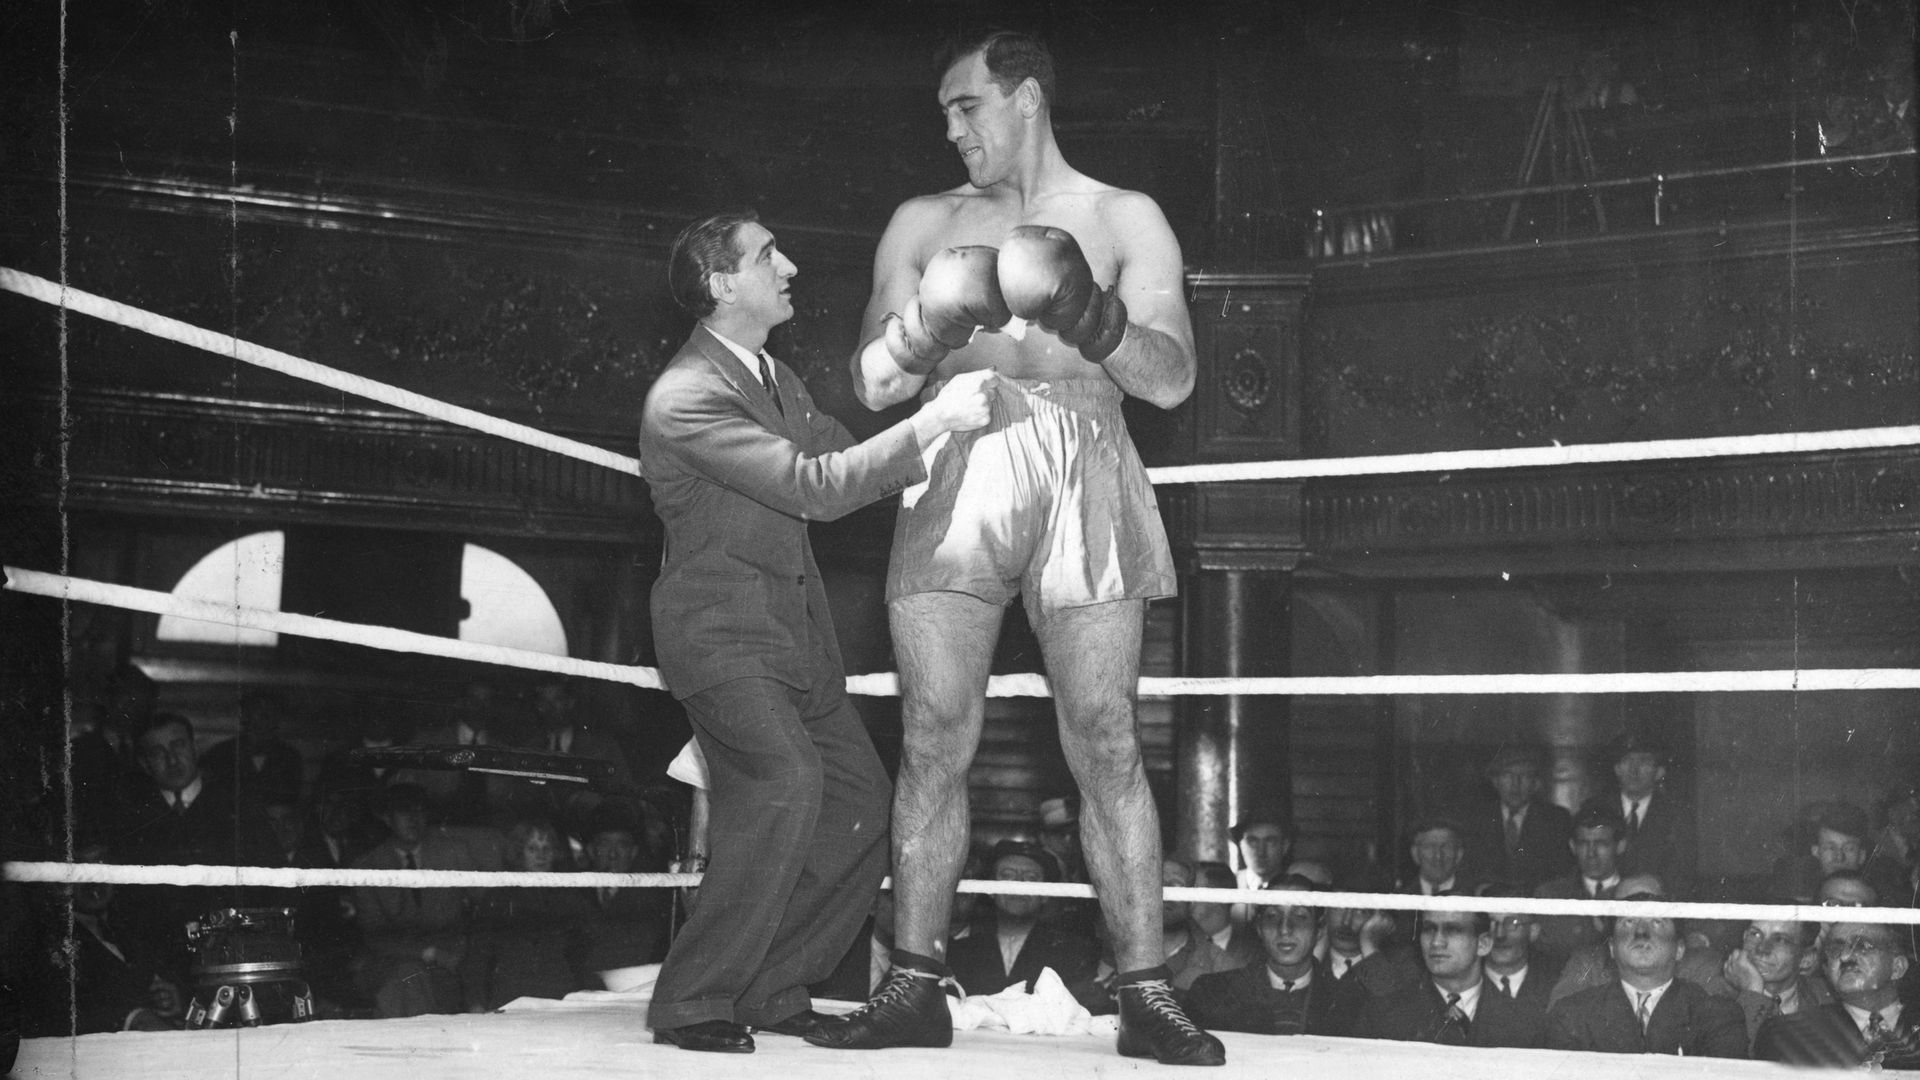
(703, 249)
(1012, 58)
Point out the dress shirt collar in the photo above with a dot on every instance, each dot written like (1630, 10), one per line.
(1889, 1016)
(1627, 804)
(1340, 963)
(1518, 817)
(1428, 888)
(1515, 979)
(1274, 980)
(747, 359)
(1469, 998)
(187, 795)
(1223, 936)
(1653, 996)
(1595, 888)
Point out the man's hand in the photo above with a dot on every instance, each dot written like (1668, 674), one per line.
(963, 404)
(1741, 974)
(1045, 277)
(959, 292)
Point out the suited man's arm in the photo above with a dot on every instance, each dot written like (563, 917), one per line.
(710, 435)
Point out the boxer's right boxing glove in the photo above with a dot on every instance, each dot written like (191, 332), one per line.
(959, 292)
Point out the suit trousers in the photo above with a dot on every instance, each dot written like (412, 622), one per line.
(797, 849)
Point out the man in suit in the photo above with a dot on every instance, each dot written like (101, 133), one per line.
(1596, 846)
(1658, 827)
(1514, 967)
(1238, 943)
(1648, 1010)
(1438, 851)
(1289, 992)
(177, 817)
(1012, 940)
(1519, 837)
(258, 765)
(739, 460)
(413, 939)
(625, 928)
(1864, 963)
(1050, 503)
(1454, 1005)
(1771, 973)
(1592, 964)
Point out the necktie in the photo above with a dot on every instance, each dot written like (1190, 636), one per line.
(1633, 818)
(1513, 832)
(766, 380)
(407, 863)
(1645, 1014)
(1876, 1027)
(1286, 987)
(1506, 987)
(1454, 1032)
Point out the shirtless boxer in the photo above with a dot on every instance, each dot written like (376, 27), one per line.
(1048, 501)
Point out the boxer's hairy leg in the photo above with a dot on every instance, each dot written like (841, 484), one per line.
(944, 644)
(1093, 662)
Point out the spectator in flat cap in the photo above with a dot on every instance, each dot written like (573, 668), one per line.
(1519, 836)
(1827, 837)
(627, 927)
(1010, 941)
(1659, 827)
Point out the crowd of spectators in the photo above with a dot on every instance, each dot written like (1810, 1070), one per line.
(144, 790)
(1831, 993)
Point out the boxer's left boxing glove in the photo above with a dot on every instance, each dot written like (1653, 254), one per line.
(1045, 277)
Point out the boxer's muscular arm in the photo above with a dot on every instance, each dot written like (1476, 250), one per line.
(1155, 360)
(897, 264)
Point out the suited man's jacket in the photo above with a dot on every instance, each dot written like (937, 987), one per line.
(1542, 853)
(1245, 999)
(1827, 1036)
(1687, 1021)
(1420, 1015)
(978, 968)
(735, 482)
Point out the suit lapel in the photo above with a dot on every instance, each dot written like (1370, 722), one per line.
(732, 369)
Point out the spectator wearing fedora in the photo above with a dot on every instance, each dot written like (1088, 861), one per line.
(1519, 838)
(1659, 829)
(1010, 941)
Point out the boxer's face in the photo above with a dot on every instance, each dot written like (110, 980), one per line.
(983, 122)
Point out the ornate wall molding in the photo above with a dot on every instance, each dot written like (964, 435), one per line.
(198, 456)
(1859, 508)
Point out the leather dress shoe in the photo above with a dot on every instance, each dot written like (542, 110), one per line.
(800, 1024)
(713, 1036)
(1152, 1024)
(910, 1009)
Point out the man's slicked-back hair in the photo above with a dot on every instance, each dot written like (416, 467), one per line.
(1012, 58)
(703, 249)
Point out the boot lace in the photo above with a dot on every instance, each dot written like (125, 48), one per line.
(1157, 996)
(895, 991)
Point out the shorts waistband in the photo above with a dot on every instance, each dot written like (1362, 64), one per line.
(1082, 392)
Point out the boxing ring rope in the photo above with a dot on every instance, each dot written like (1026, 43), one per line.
(280, 877)
(887, 684)
(227, 345)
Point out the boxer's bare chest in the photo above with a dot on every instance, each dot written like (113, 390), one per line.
(1025, 352)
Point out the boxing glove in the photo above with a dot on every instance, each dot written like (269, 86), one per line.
(959, 292)
(1044, 277)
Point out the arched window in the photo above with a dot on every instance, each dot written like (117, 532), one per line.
(505, 606)
(244, 573)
